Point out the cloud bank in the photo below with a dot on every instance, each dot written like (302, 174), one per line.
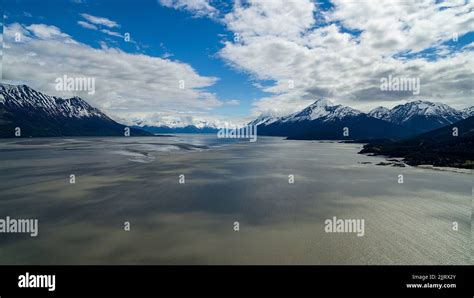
(127, 85)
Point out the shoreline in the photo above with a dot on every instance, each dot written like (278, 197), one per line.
(397, 161)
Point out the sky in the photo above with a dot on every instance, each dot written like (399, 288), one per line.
(230, 61)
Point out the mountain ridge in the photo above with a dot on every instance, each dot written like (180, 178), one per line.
(420, 116)
(403, 120)
(39, 115)
(185, 129)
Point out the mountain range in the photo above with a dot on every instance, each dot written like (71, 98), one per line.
(324, 120)
(184, 129)
(165, 124)
(40, 115)
(419, 116)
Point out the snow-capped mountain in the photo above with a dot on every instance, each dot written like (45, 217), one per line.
(172, 130)
(441, 112)
(38, 114)
(174, 122)
(379, 113)
(168, 124)
(419, 116)
(324, 120)
(24, 97)
(468, 112)
(263, 119)
(324, 110)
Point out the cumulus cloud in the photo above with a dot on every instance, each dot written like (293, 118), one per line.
(291, 49)
(343, 53)
(199, 8)
(126, 84)
(277, 18)
(45, 32)
(401, 25)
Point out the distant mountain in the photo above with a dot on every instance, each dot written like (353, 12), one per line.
(184, 129)
(468, 112)
(324, 120)
(40, 115)
(440, 147)
(419, 116)
(168, 124)
(380, 113)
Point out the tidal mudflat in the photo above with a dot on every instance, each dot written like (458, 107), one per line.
(137, 180)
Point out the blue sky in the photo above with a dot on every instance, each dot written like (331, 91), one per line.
(298, 43)
(158, 30)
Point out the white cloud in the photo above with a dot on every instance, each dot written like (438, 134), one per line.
(289, 43)
(232, 102)
(469, 46)
(197, 7)
(87, 25)
(100, 20)
(405, 25)
(42, 31)
(126, 84)
(277, 18)
(111, 33)
(94, 27)
(295, 44)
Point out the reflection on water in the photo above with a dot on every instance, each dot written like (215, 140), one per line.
(137, 180)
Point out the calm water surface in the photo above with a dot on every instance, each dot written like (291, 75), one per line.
(137, 180)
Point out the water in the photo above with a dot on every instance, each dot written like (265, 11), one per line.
(137, 180)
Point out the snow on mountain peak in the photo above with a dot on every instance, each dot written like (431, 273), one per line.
(321, 103)
(322, 109)
(23, 97)
(342, 111)
(173, 121)
(379, 113)
(468, 112)
(405, 112)
(263, 119)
